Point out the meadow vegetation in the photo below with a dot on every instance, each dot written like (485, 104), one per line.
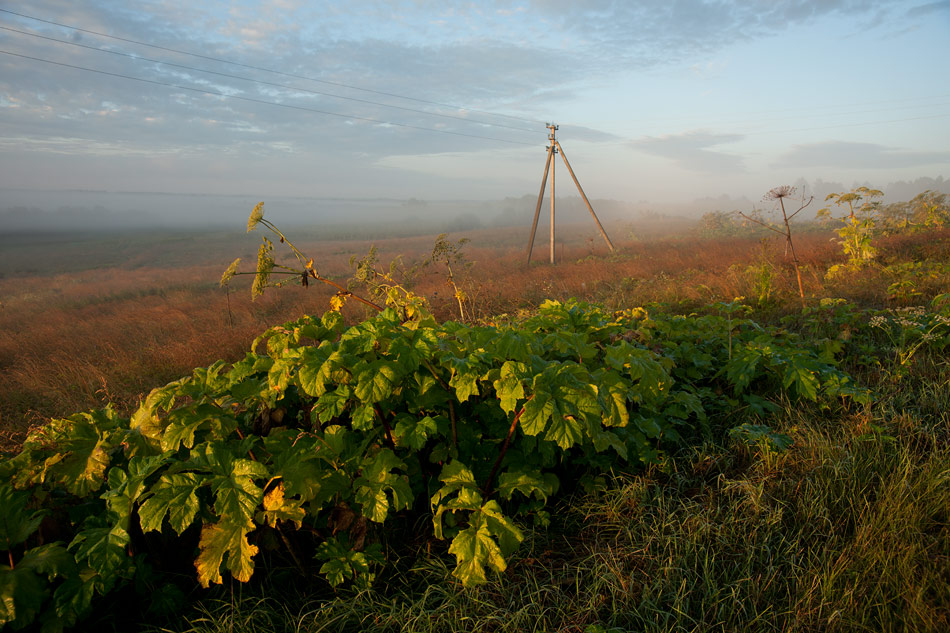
(661, 438)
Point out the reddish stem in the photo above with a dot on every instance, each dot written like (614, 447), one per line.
(389, 433)
(504, 449)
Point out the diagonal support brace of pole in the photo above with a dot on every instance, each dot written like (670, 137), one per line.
(537, 210)
(584, 196)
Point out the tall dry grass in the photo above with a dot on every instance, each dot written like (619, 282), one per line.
(117, 326)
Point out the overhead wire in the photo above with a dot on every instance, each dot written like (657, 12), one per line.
(267, 70)
(263, 101)
(266, 83)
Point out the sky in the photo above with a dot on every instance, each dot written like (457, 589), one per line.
(656, 100)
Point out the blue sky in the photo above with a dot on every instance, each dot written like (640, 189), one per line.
(660, 100)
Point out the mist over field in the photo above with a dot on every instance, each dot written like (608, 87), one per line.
(86, 210)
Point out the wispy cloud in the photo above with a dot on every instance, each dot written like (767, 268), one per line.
(690, 150)
(848, 155)
(537, 60)
(928, 8)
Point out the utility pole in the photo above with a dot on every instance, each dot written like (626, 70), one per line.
(555, 148)
(553, 151)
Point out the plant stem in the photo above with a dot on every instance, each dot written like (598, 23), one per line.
(290, 548)
(791, 246)
(504, 449)
(389, 433)
(346, 292)
(455, 437)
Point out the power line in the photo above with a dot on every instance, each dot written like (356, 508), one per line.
(267, 70)
(266, 83)
(264, 102)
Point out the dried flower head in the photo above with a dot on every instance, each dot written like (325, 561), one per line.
(785, 191)
(230, 272)
(256, 216)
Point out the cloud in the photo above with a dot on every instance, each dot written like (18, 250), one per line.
(927, 9)
(648, 34)
(690, 150)
(531, 59)
(849, 155)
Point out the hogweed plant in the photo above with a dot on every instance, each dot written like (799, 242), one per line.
(385, 288)
(909, 329)
(449, 254)
(304, 271)
(858, 227)
(779, 194)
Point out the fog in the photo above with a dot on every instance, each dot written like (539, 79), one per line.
(24, 210)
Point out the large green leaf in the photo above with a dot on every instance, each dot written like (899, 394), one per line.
(331, 404)
(612, 398)
(565, 431)
(16, 522)
(22, 594)
(298, 462)
(465, 375)
(376, 480)
(800, 376)
(537, 411)
(483, 544)
(184, 423)
(104, 549)
(23, 591)
(128, 484)
(174, 495)
(509, 387)
(529, 482)
(236, 495)
(310, 375)
(413, 432)
(376, 380)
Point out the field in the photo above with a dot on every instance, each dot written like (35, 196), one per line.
(824, 513)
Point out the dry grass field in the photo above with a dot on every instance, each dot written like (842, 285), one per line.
(845, 529)
(91, 319)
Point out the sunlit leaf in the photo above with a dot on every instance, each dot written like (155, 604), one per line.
(224, 543)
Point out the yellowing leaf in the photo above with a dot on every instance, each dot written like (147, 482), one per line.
(224, 543)
(278, 508)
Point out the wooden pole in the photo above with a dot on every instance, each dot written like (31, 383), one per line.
(553, 128)
(584, 196)
(537, 209)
